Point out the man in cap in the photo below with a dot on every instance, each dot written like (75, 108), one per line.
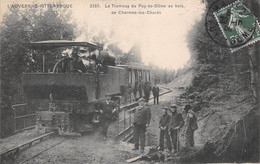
(142, 119)
(107, 110)
(155, 91)
(147, 90)
(163, 125)
(190, 126)
(175, 123)
(77, 63)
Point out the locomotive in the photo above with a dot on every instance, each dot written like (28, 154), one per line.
(67, 100)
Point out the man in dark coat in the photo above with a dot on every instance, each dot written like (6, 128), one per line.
(107, 110)
(77, 63)
(155, 91)
(163, 125)
(190, 126)
(142, 119)
(147, 90)
(175, 123)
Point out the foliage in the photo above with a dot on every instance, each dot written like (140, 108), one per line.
(162, 75)
(215, 65)
(221, 87)
(133, 55)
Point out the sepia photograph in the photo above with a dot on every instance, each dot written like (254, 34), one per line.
(137, 81)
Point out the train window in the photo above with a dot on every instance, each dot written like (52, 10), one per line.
(133, 76)
(145, 76)
(149, 76)
(136, 75)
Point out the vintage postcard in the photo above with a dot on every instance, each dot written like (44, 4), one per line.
(129, 81)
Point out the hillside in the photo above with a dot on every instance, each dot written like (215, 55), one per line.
(182, 81)
(221, 90)
(228, 126)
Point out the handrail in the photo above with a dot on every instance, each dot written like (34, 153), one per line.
(58, 62)
(18, 105)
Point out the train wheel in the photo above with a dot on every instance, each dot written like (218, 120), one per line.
(64, 127)
(14, 155)
(96, 118)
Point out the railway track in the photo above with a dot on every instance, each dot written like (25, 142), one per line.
(42, 151)
(14, 152)
(125, 135)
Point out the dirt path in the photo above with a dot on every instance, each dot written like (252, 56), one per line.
(85, 149)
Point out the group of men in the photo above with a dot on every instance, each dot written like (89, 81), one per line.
(146, 87)
(170, 124)
(106, 111)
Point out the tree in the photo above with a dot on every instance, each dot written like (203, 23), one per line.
(19, 27)
(100, 39)
(133, 55)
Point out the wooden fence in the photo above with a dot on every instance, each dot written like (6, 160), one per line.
(24, 117)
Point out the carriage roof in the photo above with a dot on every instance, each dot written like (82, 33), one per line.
(51, 44)
(135, 66)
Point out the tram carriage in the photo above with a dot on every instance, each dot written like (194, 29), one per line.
(68, 101)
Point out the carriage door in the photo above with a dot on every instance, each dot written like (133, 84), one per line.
(135, 80)
(145, 76)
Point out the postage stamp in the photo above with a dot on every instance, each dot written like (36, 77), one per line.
(238, 25)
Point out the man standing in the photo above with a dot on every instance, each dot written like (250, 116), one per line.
(163, 125)
(155, 94)
(142, 119)
(190, 126)
(175, 123)
(147, 90)
(77, 63)
(107, 110)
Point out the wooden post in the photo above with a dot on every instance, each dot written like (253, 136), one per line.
(254, 61)
(14, 119)
(124, 120)
(118, 124)
(130, 119)
(43, 63)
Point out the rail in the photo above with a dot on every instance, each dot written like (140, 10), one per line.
(23, 118)
(37, 154)
(13, 152)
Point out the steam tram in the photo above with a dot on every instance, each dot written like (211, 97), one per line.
(67, 101)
